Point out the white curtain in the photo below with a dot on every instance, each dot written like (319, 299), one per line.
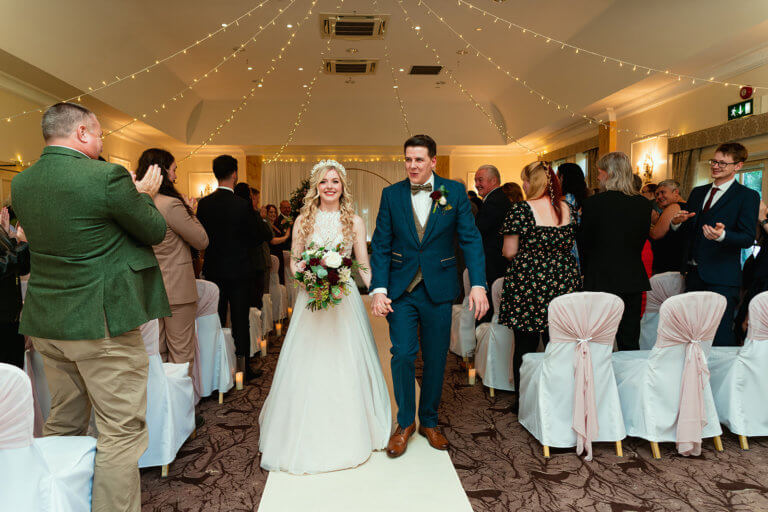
(280, 179)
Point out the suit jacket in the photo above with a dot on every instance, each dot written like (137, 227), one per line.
(260, 253)
(397, 253)
(231, 232)
(90, 234)
(173, 252)
(615, 227)
(489, 220)
(719, 263)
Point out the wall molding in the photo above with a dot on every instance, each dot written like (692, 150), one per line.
(743, 128)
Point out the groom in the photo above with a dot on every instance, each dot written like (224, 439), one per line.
(414, 282)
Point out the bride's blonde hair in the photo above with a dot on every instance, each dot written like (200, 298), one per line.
(312, 201)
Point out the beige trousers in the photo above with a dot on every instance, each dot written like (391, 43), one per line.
(111, 376)
(177, 336)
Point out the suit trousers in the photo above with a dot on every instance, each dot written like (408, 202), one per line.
(724, 336)
(110, 375)
(177, 336)
(628, 335)
(412, 314)
(235, 294)
(12, 344)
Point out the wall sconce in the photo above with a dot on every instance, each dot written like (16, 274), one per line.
(647, 168)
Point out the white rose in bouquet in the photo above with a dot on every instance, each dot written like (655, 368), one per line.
(332, 259)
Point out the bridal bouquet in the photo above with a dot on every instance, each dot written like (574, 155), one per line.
(326, 274)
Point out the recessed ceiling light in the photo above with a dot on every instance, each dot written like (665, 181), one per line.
(301, 69)
(401, 70)
(261, 85)
(479, 29)
(417, 27)
(305, 85)
(289, 26)
(250, 68)
(394, 87)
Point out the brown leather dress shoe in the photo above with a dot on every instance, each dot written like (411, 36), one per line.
(399, 440)
(436, 439)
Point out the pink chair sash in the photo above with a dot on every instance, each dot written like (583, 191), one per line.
(207, 298)
(691, 318)
(150, 333)
(663, 286)
(758, 318)
(16, 411)
(584, 318)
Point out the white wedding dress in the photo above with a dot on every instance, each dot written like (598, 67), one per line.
(328, 407)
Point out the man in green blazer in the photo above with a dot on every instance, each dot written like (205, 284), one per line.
(94, 280)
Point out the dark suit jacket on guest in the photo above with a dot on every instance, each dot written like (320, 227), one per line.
(719, 263)
(489, 220)
(615, 227)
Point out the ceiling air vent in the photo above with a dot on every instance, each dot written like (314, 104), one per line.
(425, 70)
(350, 66)
(353, 26)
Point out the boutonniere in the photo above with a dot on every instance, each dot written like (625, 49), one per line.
(439, 197)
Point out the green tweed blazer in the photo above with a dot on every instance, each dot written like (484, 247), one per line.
(90, 234)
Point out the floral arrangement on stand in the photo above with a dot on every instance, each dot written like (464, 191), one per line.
(326, 275)
(297, 197)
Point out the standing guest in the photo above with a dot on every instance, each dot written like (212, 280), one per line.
(227, 220)
(256, 256)
(513, 191)
(615, 225)
(538, 238)
(755, 275)
(475, 201)
(648, 191)
(668, 245)
(14, 262)
(489, 220)
(719, 223)
(94, 280)
(279, 237)
(177, 332)
(285, 222)
(575, 191)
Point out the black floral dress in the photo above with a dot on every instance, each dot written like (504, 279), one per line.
(544, 268)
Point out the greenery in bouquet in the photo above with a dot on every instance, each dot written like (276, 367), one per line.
(326, 274)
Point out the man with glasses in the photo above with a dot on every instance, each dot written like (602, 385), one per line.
(719, 222)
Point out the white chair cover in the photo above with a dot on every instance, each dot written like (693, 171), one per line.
(170, 403)
(495, 343)
(663, 286)
(214, 359)
(255, 329)
(739, 376)
(267, 314)
(463, 339)
(568, 394)
(277, 291)
(290, 290)
(665, 392)
(39, 475)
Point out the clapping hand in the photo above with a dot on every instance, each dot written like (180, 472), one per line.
(682, 216)
(713, 233)
(191, 202)
(478, 302)
(5, 220)
(151, 181)
(20, 236)
(762, 213)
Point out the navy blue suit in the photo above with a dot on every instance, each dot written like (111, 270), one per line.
(718, 264)
(396, 256)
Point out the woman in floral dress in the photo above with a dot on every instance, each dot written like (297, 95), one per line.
(538, 237)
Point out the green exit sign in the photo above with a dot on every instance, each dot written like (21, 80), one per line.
(741, 109)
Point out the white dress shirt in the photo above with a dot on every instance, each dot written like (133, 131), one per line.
(73, 149)
(722, 190)
(225, 188)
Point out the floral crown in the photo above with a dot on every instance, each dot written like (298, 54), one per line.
(322, 164)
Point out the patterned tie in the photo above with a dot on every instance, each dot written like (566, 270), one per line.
(415, 189)
(709, 201)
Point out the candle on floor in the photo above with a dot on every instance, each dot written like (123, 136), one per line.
(263, 348)
(279, 328)
(239, 380)
(472, 376)
(290, 312)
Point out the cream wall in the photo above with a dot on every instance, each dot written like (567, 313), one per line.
(509, 165)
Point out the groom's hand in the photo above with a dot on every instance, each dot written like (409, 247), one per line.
(381, 305)
(478, 302)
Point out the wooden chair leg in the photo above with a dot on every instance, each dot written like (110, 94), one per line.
(193, 435)
(655, 452)
(546, 452)
(490, 390)
(619, 449)
(164, 471)
(718, 443)
(466, 359)
(743, 442)
(221, 397)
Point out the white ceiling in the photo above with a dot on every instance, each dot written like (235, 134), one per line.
(83, 42)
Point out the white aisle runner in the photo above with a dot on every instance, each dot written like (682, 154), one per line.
(422, 480)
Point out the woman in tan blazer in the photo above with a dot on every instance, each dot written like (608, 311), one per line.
(177, 332)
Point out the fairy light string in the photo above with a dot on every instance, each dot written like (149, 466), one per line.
(395, 82)
(146, 69)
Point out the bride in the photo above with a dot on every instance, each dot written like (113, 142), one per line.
(328, 407)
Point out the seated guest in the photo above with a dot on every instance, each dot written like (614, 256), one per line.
(719, 222)
(538, 238)
(489, 219)
(668, 246)
(279, 237)
(93, 281)
(575, 191)
(257, 258)
(177, 332)
(14, 262)
(755, 275)
(615, 225)
(513, 191)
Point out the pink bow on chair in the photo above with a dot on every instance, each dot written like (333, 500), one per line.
(584, 406)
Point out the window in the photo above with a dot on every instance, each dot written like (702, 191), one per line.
(752, 176)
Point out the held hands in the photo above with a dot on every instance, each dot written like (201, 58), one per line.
(478, 302)
(682, 216)
(381, 305)
(151, 181)
(713, 233)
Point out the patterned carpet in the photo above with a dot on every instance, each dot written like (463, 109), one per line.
(500, 465)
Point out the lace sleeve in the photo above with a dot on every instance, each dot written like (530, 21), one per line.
(297, 244)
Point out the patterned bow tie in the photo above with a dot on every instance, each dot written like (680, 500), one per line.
(415, 189)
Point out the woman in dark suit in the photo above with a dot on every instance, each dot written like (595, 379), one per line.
(615, 226)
